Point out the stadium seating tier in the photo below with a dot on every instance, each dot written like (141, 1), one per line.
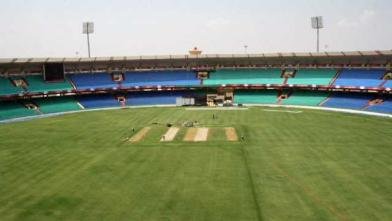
(12, 109)
(305, 98)
(37, 84)
(93, 81)
(245, 76)
(388, 84)
(313, 76)
(385, 107)
(255, 97)
(360, 77)
(99, 101)
(348, 101)
(160, 78)
(7, 88)
(59, 104)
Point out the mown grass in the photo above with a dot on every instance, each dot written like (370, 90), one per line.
(309, 166)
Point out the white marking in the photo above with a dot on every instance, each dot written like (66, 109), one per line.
(287, 111)
(325, 109)
(216, 108)
(20, 119)
(80, 105)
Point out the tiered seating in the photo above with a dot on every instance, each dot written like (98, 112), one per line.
(385, 107)
(388, 84)
(9, 110)
(93, 81)
(245, 76)
(255, 97)
(366, 78)
(99, 101)
(161, 78)
(59, 104)
(37, 84)
(306, 98)
(7, 88)
(313, 76)
(155, 98)
(349, 101)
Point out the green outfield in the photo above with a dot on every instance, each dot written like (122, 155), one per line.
(305, 165)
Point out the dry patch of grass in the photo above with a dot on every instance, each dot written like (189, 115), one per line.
(231, 134)
(202, 134)
(140, 135)
(190, 134)
(170, 134)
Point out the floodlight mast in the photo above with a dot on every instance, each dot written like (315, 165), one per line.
(246, 49)
(88, 45)
(88, 28)
(317, 23)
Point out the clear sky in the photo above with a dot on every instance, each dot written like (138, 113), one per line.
(43, 28)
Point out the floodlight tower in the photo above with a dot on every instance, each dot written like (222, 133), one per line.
(246, 49)
(88, 28)
(317, 23)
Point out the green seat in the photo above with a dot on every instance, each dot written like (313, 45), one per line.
(245, 76)
(255, 97)
(7, 88)
(57, 105)
(37, 84)
(9, 110)
(313, 76)
(306, 98)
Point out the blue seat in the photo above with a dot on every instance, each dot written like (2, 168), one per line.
(99, 101)
(161, 78)
(360, 77)
(133, 99)
(388, 84)
(349, 101)
(93, 81)
(385, 107)
(155, 98)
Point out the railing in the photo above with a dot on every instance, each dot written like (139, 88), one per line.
(329, 88)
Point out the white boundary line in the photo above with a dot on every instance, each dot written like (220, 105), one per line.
(217, 108)
(325, 109)
(20, 119)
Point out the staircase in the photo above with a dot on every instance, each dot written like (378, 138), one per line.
(334, 78)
